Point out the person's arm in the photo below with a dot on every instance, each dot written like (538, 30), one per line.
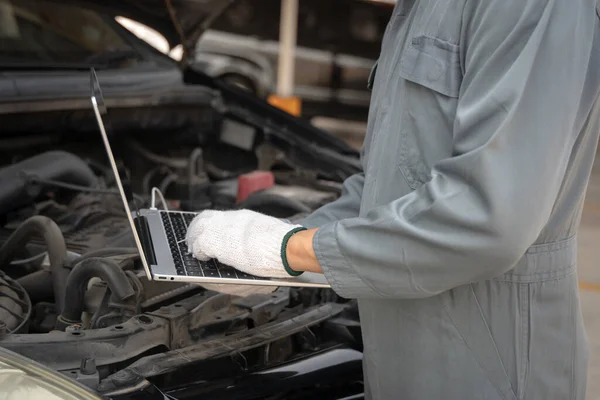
(346, 206)
(525, 62)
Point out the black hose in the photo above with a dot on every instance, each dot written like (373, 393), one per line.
(217, 173)
(69, 186)
(77, 282)
(38, 285)
(55, 245)
(166, 182)
(16, 191)
(106, 252)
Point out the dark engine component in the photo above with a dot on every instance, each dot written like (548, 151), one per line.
(75, 297)
(273, 204)
(16, 189)
(55, 244)
(88, 222)
(77, 282)
(15, 307)
(194, 189)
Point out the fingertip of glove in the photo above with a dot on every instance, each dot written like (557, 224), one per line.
(200, 256)
(190, 245)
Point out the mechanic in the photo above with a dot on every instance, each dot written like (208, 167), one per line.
(459, 239)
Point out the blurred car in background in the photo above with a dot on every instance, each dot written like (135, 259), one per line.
(338, 42)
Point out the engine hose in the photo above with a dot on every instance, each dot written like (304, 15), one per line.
(17, 190)
(217, 173)
(38, 285)
(106, 252)
(77, 283)
(263, 202)
(55, 246)
(166, 182)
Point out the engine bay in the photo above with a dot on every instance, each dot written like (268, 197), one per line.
(66, 247)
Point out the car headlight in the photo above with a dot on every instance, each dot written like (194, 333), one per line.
(25, 379)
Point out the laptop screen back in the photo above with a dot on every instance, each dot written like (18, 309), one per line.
(121, 177)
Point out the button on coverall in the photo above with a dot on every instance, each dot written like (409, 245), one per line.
(459, 238)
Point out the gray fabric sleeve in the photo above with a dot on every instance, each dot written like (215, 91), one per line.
(515, 126)
(346, 206)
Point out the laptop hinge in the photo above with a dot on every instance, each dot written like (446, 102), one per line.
(141, 225)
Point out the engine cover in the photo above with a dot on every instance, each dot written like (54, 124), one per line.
(88, 223)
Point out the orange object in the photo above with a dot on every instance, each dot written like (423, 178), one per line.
(589, 286)
(291, 105)
(253, 182)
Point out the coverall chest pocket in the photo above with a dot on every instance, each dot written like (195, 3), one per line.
(430, 71)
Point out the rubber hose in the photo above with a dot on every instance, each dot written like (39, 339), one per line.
(16, 191)
(106, 252)
(258, 201)
(217, 173)
(77, 283)
(38, 285)
(55, 246)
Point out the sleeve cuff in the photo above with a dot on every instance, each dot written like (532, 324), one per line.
(313, 221)
(338, 271)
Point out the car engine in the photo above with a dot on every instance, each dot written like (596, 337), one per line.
(66, 248)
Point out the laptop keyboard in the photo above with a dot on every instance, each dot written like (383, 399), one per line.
(175, 224)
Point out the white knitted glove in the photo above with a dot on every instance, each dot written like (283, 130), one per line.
(244, 239)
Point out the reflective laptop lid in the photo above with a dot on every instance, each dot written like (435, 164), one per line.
(121, 176)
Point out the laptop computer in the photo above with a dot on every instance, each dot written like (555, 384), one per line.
(160, 234)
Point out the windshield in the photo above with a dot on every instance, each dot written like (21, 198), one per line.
(45, 32)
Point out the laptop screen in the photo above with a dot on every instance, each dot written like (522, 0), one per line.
(122, 178)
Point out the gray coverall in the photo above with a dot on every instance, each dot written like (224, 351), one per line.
(459, 239)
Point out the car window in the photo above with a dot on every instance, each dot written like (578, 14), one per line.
(37, 31)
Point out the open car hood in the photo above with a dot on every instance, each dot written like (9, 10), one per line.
(179, 21)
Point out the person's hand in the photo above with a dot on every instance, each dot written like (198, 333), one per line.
(251, 242)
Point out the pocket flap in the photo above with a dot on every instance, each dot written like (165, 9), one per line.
(432, 63)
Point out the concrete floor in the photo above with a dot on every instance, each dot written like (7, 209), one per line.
(589, 276)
